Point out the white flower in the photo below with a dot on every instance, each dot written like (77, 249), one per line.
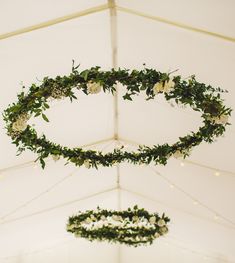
(93, 87)
(161, 222)
(164, 230)
(178, 154)
(169, 85)
(69, 227)
(223, 119)
(93, 217)
(135, 219)
(166, 86)
(152, 219)
(55, 157)
(19, 125)
(103, 218)
(158, 87)
(87, 163)
(156, 235)
(88, 221)
(116, 218)
(137, 238)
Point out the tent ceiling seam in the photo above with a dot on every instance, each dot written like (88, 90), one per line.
(190, 196)
(31, 163)
(114, 60)
(115, 8)
(230, 173)
(176, 24)
(175, 208)
(46, 210)
(54, 21)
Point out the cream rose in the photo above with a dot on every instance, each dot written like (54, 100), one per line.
(169, 85)
(163, 230)
(223, 119)
(55, 157)
(158, 87)
(156, 235)
(19, 125)
(161, 222)
(88, 221)
(116, 218)
(103, 218)
(178, 154)
(152, 219)
(135, 218)
(93, 217)
(163, 87)
(93, 87)
(87, 164)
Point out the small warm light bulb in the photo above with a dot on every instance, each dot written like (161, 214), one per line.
(195, 202)
(217, 173)
(172, 186)
(182, 164)
(216, 217)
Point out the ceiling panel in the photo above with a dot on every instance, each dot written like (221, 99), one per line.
(48, 230)
(49, 52)
(18, 14)
(194, 232)
(186, 241)
(168, 49)
(216, 16)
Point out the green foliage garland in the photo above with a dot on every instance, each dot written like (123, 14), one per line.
(198, 96)
(132, 227)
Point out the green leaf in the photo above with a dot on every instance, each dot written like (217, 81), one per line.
(84, 74)
(127, 97)
(46, 105)
(37, 114)
(42, 163)
(45, 117)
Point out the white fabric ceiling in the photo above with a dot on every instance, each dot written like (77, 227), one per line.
(38, 202)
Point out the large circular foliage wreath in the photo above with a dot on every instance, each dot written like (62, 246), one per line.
(132, 227)
(198, 96)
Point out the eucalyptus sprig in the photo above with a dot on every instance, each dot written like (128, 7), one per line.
(132, 227)
(33, 103)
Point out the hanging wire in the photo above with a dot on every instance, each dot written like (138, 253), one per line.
(37, 197)
(32, 163)
(46, 210)
(221, 171)
(190, 196)
(176, 208)
(47, 190)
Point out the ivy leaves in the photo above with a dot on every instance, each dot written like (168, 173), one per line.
(199, 96)
(132, 227)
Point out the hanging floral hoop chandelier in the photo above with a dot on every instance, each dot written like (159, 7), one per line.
(198, 96)
(132, 227)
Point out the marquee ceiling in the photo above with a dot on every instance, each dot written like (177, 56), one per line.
(195, 37)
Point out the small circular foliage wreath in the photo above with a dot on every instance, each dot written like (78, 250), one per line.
(198, 96)
(133, 227)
